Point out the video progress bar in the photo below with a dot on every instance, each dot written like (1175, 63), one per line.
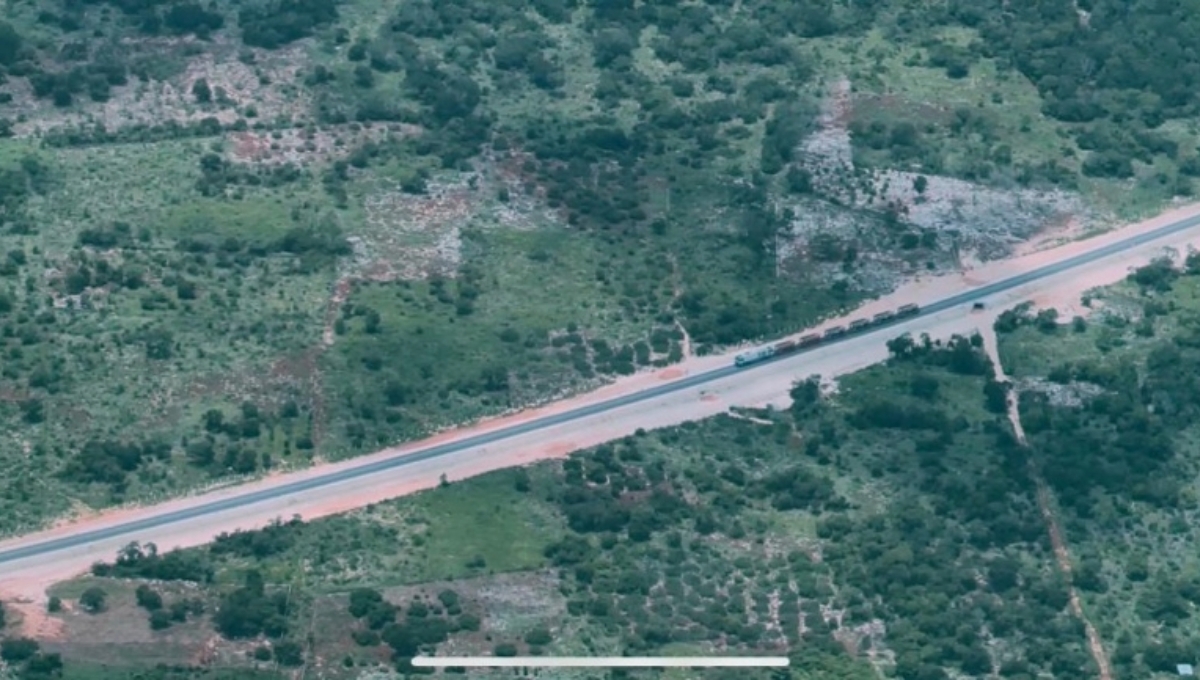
(601, 662)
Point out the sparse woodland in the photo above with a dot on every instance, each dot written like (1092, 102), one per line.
(236, 237)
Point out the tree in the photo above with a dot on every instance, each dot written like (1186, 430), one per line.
(274, 24)
(192, 18)
(249, 611)
(449, 600)
(996, 396)
(93, 599)
(160, 619)
(44, 666)
(289, 653)
(610, 44)
(1089, 576)
(403, 643)
(924, 386)
(799, 180)
(148, 598)
(16, 650)
(505, 649)
(1047, 320)
(1004, 574)
(901, 347)
(538, 637)
(10, 43)
(201, 91)
(362, 600)
(1158, 275)
(805, 394)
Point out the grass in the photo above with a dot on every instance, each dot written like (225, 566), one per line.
(527, 293)
(1111, 332)
(891, 72)
(475, 525)
(258, 218)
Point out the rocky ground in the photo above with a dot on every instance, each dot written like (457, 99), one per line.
(972, 222)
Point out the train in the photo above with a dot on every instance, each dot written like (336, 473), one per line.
(760, 354)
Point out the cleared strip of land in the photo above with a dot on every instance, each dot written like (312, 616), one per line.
(696, 389)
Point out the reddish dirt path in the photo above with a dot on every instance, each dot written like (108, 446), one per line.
(1062, 555)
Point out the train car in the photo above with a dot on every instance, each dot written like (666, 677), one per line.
(858, 325)
(908, 310)
(809, 340)
(835, 332)
(754, 356)
(785, 346)
(883, 317)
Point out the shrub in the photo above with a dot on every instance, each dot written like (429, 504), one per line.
(160, 619)
(15, 650)
(539, 637)
(93, 599)
(505, 649)
(148, 598)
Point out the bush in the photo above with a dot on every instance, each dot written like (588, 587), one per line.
(44, 666)
(539, 637)
(201, 91)
(249, 611)
(16, 650)
(289, 653)
(449, 599)
(362, 600)
(996, 396)
(505, 649)
(160, 619)
(1158, 275)
(278, 23)
(366, 638)
(93, 599)
(148, 598)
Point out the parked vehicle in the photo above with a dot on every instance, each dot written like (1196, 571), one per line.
(808, 340)
(908, 310)
(835, 332)
(883, 317)
(858, 325)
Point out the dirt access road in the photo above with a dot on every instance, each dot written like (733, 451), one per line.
(31, 563)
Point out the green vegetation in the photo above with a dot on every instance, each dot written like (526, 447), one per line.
(357, 224)
(1109, 417)
(838, 525)
(891, 527)
(347, 224)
